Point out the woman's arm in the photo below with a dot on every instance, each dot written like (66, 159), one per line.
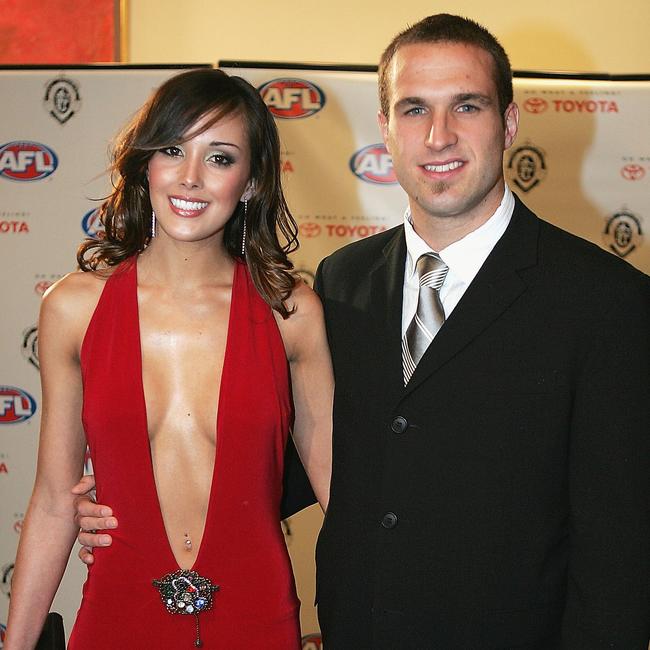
(49, 529)
(312, 382)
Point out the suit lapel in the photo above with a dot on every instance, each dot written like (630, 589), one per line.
(496, 286)
(386, 282)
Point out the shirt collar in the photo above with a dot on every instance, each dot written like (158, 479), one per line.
(465, 256)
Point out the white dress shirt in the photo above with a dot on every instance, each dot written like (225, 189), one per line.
(464, 259)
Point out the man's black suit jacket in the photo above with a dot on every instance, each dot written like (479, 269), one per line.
(501, 499)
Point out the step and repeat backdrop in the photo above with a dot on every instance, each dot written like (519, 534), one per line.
(582, 161)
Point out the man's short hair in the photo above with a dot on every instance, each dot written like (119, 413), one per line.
(447, 28)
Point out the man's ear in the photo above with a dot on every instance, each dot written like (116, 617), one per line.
(382, 120)
(511, 124)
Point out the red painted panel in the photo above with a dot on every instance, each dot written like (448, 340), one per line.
(58, 31)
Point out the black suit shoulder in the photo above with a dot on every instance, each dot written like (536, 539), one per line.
(588, 272)
(356, 258)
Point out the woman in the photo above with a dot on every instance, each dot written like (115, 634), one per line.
(168, 354)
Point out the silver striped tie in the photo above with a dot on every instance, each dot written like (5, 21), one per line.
(429, 315)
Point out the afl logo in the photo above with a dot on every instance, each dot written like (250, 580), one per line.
(623, 233)
(92, 225)
(26, 161)
(16, 405)
(535, 105)
(373, 164)
(633, 172)
(312, 642)
(292, 99)
(309, 230)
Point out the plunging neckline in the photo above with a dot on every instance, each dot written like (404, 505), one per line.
(143, 404)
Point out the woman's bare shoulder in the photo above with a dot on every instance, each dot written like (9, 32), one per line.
(68, 305)
(305, 325)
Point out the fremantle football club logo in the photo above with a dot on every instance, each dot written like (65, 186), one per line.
(29, 346)
(6, 573)
(527, 167)
(62, 99)
(623, 232)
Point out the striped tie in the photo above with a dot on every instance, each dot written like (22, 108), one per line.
(429, 316)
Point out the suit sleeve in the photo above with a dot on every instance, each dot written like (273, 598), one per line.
(296, 489)
(608, 588)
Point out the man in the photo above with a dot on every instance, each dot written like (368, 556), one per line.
(490, 461)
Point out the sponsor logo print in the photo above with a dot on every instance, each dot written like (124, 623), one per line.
(92, 225)
(623, 232)
(585, 106)
(361, 231)
(44, 281)
(19, 518)
(373, 164)
(309, 230)
(290, 98)
(527, 167)
(633, 172)
(29, 347)
(16, 405)
(26, 161)
(312, 642)
(62, 99)
(42, 286)
(13, 226)
(535, 105)
(6, 574)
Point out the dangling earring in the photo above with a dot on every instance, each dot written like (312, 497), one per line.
(243, 234)
(153, 224)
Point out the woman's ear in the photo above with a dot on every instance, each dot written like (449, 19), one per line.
(248, 192)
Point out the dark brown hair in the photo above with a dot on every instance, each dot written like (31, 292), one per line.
(446, 28)
(165, 120)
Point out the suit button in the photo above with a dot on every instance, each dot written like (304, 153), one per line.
(399, 424)
(389, 520)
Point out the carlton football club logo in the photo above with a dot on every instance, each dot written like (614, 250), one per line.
(312, 642)
(527, 167)
(26, 161)
(633, 172)
(16, 405)
(92, 225)
(62, 99)
(623, 233)
(6, 574)
(535, 105)
(373, 164)
(29, 347)
(292, 99)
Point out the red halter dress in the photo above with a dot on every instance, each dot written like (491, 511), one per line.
(242, 550)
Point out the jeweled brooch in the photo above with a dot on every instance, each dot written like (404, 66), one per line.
(186, 592)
